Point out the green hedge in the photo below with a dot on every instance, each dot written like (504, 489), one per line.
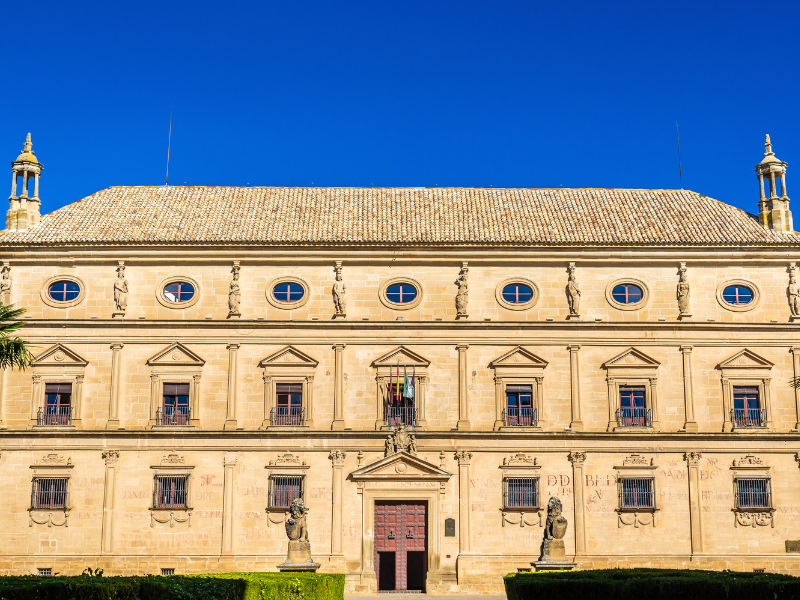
(216, 586)
(651, 584)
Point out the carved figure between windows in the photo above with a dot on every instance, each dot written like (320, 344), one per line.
(120, 291)
(682, 292)
(462, 296)
(5, 284)
(339, 293)
(793, 293)
(235, 293)
(573, 293)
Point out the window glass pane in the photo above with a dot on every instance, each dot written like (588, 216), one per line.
(521, 492)
(517, 293)
(179, 292)
(288, 292)
(401, 293)
(737, 294)
(49, 492)
(627, 293)
(637, 492)
(64, 291)
(171, 491)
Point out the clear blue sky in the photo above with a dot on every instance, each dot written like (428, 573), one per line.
(402, 93)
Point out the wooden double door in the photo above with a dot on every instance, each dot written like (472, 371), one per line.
(401, 545)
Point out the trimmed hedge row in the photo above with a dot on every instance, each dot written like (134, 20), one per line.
(216, 586)
(651, 584)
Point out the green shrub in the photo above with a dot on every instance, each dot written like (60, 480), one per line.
(651, 584)
(212, 586)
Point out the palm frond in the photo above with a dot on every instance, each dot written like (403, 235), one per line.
(14, 352)
(795, 382)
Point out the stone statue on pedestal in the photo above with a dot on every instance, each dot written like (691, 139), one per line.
(298, 557)
(573, 293)
(554, 555)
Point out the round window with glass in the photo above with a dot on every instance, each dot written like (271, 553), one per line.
(179, 292)
(64, 291)
(517, 293)
(288, 292)
(627, 293)
(738, 295)
(401, 293)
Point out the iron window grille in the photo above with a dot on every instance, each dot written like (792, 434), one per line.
(283, 489)
(747, 411)
(636, 493)
(753, 492)
(171, 491)
(167, 571)
(288, 404)
(45, 572)
(521, 492)
(49, 492)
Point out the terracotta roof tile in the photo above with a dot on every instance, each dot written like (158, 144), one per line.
(276, 215)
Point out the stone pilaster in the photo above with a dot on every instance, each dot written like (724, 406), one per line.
(576, 424)
(338, 388)
(695, 524)
(796, 372)
(688, 394)
(113, 404)
(233, 377)
(463, 392)
(337, 460)
(229, 487)
(577, 459)
(111, 458)
(463, 457)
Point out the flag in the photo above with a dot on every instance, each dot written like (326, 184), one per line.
(407, 391)
(389, 390)
(411, 388)
(397, 392)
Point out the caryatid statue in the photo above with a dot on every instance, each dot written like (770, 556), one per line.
(5, 285)
(339, 293)
(573, 292)
(683, 292)
(235, 293)
(793, 292)
(121, 290)
(463, 291)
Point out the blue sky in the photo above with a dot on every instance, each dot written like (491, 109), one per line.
(413, 93)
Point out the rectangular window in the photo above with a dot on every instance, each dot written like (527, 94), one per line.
(632, 410)
(171, 491)
(747, 407)
(45, 572)
(283, 489)
(753, 492)
(519, 406)
(49, 492)
(168, 571)
(288, 404)
(399, 409)
(521, 492)
(175, 409)
(637, 492)
(57, 404)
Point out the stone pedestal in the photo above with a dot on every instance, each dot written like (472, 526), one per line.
(298, 558)
(545, 565)
(339, 316)
(118, 314)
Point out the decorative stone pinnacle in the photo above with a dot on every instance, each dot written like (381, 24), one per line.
(28, 144)
(767, 146)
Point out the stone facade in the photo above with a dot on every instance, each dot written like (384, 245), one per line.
(116, 356)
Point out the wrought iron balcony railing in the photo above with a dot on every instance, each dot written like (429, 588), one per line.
(174, 415)
(524, 416)
(288, 416)
(749, 417)
(634, 417)
(400, 415)
(54, 415)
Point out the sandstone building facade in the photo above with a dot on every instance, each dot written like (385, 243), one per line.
(205, 354)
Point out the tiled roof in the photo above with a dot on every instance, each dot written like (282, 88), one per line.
(281, 215)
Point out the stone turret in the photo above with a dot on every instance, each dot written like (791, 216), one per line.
(23, 208)
(773, 209)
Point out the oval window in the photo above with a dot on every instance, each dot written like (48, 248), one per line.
(179, 292)
(737, 294)
(401, 293)
(517, 293)
(627, 293)
(64, 291)
(288, 292)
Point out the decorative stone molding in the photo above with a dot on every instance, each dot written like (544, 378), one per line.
(288, 365)
(45, 517)
(518, 367)
(394, 305)
(520, 459)
(745, 518)
(632, 367)
(637, 460)
(170, 516)
(401, 440)
(173, 459)
(53, 459)
(287, 460)
(110, 456)
(44, 292)
(498, 293)
(636, 518)
(749, 460)
(288, 305)
(752, 305)
(337, 457)
(577, 458)
(162, 299)
(745, 368)
(463, 457)
(692, 458)
(175, 364)
(522, 520)
(629, 281)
